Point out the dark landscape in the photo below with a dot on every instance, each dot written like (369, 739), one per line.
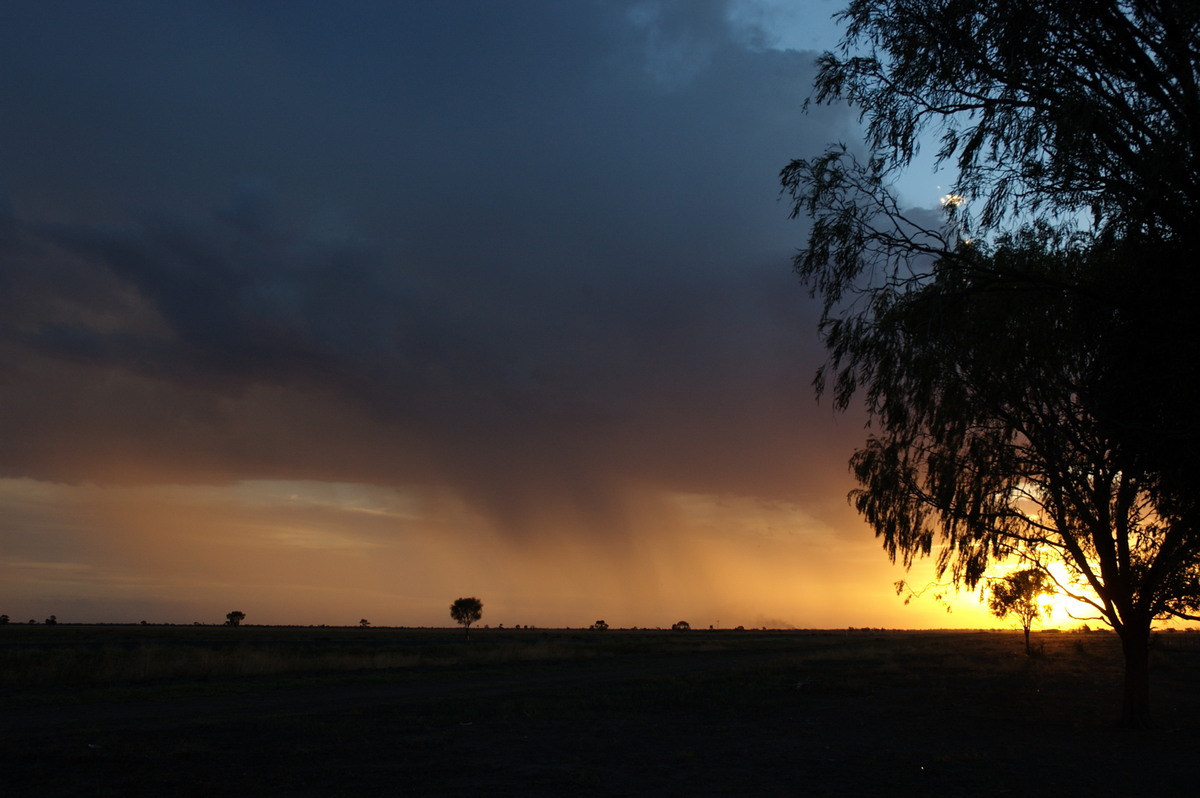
(146, 710)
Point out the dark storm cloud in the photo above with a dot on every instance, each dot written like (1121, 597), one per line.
(531, 251)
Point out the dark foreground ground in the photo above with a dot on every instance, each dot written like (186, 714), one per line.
(584, 713)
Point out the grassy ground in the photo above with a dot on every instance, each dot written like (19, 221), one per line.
(215, 711)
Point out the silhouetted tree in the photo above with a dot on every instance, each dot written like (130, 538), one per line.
(466, 611)
(3, 619)
(1017, 595)
(681, 626)
(364, 623)
(235, 618)
(600, 625)
(52, 620)
(1032, 393)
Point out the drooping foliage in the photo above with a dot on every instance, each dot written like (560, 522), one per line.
(1042, 106)
(1026, 358)
(982, 379)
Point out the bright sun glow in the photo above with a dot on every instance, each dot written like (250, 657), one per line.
(1066, 612)
(1060, 610)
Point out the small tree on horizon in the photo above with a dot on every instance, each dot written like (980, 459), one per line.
(681, 626)
(1017, 595)
(466, 611)
(235, 618)
(364, 623)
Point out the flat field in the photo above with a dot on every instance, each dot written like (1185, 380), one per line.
(120, 710)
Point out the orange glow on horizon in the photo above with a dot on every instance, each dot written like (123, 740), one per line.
(323, 553)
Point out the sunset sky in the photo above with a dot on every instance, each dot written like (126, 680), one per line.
(328, 311)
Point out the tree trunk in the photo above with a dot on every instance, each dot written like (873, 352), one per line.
(1028, 650)
(1135, 707)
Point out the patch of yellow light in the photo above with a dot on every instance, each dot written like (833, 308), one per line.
(776, 564)
(1066, 612)
(952, 201)
(1060, 610)
(41, 569)
(309, 537)
(340, 496)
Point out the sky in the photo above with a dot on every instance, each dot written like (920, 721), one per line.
(328, 311)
